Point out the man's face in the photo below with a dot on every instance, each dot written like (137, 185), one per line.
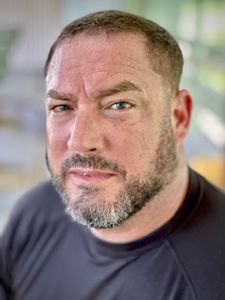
(110, 145)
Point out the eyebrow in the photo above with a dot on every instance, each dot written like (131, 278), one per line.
(123, 86)
(58, 96)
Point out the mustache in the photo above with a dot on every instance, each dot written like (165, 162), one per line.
(92, 161)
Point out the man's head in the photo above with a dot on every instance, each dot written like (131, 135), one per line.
(115, 119)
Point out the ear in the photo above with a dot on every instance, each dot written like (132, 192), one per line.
(181, 114)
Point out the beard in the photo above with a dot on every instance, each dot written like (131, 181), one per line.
(90, 206)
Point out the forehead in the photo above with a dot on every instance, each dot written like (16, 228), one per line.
(101, 59)
(115, 48)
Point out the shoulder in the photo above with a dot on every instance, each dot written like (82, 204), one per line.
(37, 220)
(212, 203)
(199, 244)
(36, 210)
(42, 203)
(207, 211)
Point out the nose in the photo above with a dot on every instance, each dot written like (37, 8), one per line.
(86, 133)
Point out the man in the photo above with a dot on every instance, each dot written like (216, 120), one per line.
(116, 120)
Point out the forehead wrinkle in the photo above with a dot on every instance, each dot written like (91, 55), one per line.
(122, 86)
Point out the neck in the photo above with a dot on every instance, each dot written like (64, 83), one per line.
(154, 215)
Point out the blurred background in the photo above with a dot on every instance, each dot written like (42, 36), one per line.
(27, 30)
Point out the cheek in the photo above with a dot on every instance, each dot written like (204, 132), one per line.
(56, 139)
(135, 145)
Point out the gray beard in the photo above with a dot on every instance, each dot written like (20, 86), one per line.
(90, 209)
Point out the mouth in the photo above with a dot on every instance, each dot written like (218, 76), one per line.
(90, 176)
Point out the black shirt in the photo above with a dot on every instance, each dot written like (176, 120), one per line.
(44, 255)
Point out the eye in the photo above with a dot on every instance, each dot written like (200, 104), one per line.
(61, 108)
(121, 105)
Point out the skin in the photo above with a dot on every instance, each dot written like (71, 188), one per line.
(106, 100)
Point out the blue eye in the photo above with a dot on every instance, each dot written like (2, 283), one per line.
(121, 105)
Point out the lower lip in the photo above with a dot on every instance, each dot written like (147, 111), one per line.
(91, 178)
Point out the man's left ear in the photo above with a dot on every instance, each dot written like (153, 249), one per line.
(181, 113)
